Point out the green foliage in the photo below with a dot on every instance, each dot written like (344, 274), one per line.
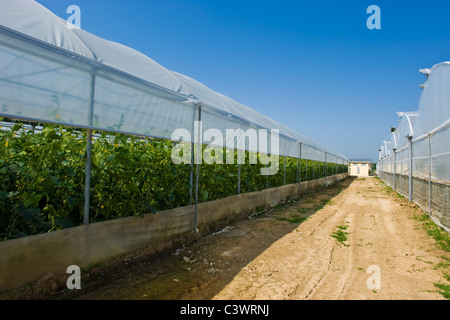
(340, 235)
(43, 176)
(40, 174)
(42, 185)
(444, 289)
(442, 238)
(134, 176)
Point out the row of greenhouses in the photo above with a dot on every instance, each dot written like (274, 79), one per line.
(415, 158)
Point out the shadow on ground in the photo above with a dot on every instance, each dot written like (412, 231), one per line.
(203, 269)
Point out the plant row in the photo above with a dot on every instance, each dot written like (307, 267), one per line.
(43, 176)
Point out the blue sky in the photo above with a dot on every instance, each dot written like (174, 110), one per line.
(312, 65)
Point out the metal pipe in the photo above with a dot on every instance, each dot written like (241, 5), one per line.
(394, 169)
(191, 173)
(300, 166)
(313, 169)
(401, 172)
(239, 177)
(336, 166)
(191, 177)
(410, 168)
(87, 178)
(379, 164)
(197, 174)
(429, 174)
(306, 171)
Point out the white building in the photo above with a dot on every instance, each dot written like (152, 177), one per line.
(360, 168)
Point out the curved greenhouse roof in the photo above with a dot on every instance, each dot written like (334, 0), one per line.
(434, 105)
(47, 75)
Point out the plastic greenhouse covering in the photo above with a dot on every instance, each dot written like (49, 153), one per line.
(431, 120)
(419, 147)
(434, 119)
(51, 73)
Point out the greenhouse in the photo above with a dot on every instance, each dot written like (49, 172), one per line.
(124, 180)
(89, 128)
(99, 84)
(415, 161)
(54, 74)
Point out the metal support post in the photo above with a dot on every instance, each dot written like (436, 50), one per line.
(410, 198)
(306, 170)
(239, 172)
(191, 176)
(299, 160)
(197, 174)
(401, 173)
(313, 169)
(87, 179)
(429, 174)
(394, 169)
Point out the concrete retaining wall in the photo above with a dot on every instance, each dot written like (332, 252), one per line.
(26, 259)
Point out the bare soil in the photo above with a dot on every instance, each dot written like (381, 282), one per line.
(289, 253)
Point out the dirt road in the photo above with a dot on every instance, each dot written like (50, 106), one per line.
(377, 252)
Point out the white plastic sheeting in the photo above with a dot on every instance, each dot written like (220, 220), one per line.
(434, 106)
(405, 128)
(434, 120)
(51, 73)
(429, 128)
(425, 156)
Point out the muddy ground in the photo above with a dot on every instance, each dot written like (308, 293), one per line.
(352, 240)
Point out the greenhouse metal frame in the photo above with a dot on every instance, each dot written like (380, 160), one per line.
(51, 74)
(416, 160)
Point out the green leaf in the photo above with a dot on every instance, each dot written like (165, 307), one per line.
(64, 222)
(34, 200)
(28, 214)
(133, 187)
(16, 127)
(3, 195)
(14, 167)
(204, 195)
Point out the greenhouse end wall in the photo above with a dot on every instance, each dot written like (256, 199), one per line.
(26, 259)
